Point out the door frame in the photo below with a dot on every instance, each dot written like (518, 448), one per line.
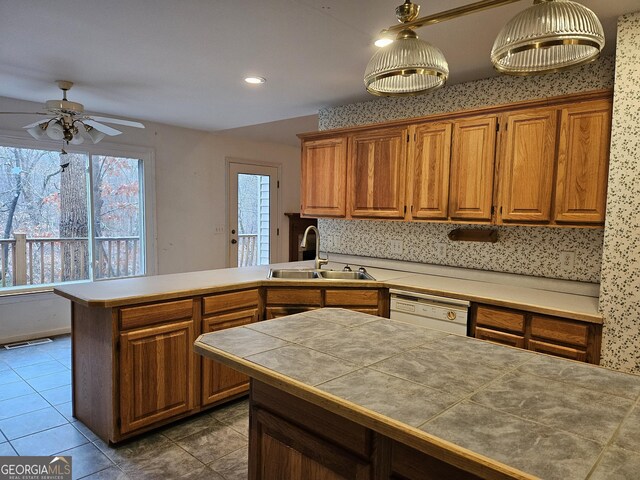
(254, 167)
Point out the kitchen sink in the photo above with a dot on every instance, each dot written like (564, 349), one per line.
(292, 274)
(342, 275)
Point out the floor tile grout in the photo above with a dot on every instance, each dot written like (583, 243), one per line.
(61, 368)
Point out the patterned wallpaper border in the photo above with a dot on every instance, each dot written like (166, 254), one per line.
(497, 90)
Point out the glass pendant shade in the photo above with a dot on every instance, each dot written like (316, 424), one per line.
(408, 66)
(551, 35)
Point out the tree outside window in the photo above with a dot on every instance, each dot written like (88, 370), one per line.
(46, 217)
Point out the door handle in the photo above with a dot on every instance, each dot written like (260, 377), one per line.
(234, 241)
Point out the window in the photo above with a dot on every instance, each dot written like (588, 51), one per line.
(72, 217)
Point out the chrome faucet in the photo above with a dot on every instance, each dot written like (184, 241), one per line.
(303, 244)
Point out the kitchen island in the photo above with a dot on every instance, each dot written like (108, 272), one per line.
(341, 394)
(134, 368)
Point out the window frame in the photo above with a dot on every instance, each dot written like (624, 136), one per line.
(145, 154)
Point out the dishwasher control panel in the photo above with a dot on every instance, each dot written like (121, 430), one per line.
(440, 313)
(436, 311)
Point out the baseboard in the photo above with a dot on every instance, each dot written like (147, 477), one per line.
(34, 335)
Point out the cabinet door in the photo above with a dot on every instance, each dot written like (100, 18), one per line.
(500, 337)
(500, 318)
(156, 374)
(472, 161)
(324, 173)
(526, 171)
(277, 312)
(377, 167)
(281, 450)
(218, 380)
(428, 174)
(558, 350)
(583, 163)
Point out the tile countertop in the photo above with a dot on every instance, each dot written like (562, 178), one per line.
(544, 416)
(499, 290)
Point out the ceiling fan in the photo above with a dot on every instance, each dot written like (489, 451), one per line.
(68, 122)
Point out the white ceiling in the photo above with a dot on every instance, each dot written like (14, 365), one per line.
(182, 62)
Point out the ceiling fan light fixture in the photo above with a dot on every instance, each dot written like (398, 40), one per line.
(93, 134)
(38, 131)
(550, 36)
(55, 131)
(77, 138)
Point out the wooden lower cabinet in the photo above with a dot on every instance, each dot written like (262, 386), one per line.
(291, 452)
(219, 381)
(410, 464)
(277, 312)
(157, 374)
(290, 438)
(572, 353)
(134, 367)
(500, 337)
(222, 311)
(281, 301)
(557, 336)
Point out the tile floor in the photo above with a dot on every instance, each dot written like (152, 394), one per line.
(35, 419)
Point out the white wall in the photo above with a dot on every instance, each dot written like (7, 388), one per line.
(190, 200)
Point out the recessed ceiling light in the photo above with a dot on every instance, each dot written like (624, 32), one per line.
(255, 80)
(383, 42)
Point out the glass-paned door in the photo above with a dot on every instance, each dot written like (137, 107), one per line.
(252, 214)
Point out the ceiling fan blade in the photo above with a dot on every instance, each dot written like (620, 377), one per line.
(24, 113)
(102, 128)
(42, 120)
(117, 121)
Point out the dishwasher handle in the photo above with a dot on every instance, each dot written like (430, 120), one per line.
(433, 298)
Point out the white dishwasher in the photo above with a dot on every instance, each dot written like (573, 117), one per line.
(440, 313)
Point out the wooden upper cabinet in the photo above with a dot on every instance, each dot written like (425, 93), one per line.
(428, 171)
(472, 161)
(324, 172)
(527, 166)
(377, 168)
(583, 162)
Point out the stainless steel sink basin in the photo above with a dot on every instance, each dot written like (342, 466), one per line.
(342, 275)
(292, 274)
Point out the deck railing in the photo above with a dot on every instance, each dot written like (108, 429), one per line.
(247, 250)
(36, 261)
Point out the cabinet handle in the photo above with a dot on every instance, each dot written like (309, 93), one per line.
(451, 315)
(234, 241)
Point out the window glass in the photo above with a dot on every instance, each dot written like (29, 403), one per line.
(45, 217)
(117, 219)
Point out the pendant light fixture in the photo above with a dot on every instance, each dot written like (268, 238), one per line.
(407, 66)
(550, 36)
